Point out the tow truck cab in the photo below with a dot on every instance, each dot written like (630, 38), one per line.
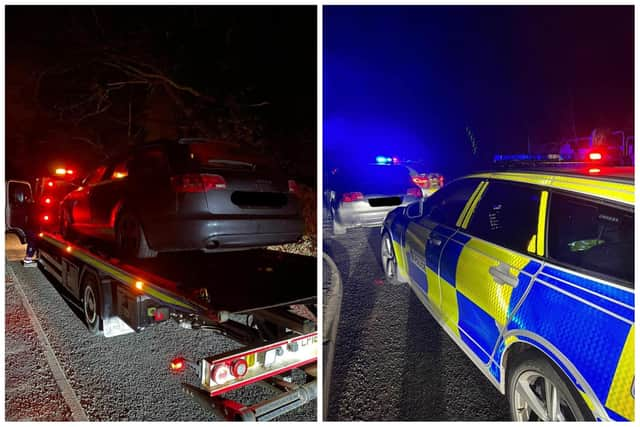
(18, 207)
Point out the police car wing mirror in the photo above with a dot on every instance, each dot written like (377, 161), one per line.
(414, 210)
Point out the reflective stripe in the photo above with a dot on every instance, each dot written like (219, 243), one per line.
(465, 210)
(117, 273)
(542, 222)
(483, 186)
(620, 399)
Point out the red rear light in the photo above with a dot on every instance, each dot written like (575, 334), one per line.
(352, 197)
(421, 181)
(239, 368)
(293, 186)
(441, 179)
(414, 191)
(50, 183)
(46, 201)
(594, 155)
(178, 364)
(45, 218)
(197, 183)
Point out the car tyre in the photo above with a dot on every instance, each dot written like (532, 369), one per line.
(338, 229)
(389, 261)
(538, 391)
(91, 303)
(130, 238)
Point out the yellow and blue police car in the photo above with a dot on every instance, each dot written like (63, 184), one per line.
(530, 272)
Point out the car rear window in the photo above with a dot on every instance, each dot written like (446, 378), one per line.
(591, 236)
(373, 180)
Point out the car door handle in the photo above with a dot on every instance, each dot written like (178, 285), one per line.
(434, 241)
(502, 276)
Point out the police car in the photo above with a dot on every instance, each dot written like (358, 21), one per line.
(531, 273)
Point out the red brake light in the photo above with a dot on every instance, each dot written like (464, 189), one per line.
(293, 186)
(414, 191)
(50, 183)
(69, 172)
(352, 197)
(46, 201)
(197, 183)
(45, 218)
(594, 155)
(420, 181)
(239, 368)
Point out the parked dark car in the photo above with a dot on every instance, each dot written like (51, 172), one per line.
(190, 194)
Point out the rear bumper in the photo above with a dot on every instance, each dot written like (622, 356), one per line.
(219, 234)
(369, 217)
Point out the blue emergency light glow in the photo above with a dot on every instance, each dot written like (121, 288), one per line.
(383, 160)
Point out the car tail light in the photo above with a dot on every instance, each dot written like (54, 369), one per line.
(352, 197)
(197, 183)
(414, 191)
(421, 181)
(595, 155)
(293, 186)
(441, 179)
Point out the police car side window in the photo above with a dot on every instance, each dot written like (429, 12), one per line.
(446, 204)
(591, 236)
(507, 215)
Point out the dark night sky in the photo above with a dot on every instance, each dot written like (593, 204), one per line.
(406, 81)
(254, 54)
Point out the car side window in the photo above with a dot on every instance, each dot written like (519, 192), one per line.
(591, 236)
(149, 164)
(507, 215)
(446, 204)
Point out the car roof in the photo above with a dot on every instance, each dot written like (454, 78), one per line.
(611, 183)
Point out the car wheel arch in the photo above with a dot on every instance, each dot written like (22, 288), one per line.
(516, 352)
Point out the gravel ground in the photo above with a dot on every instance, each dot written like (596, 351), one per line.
(123, 378)
(392, 360)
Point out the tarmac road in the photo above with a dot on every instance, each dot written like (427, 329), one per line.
(67, 374)
(392, 360)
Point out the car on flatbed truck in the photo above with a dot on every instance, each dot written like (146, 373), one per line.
(531, 273)
(261, 298)
(181, 195)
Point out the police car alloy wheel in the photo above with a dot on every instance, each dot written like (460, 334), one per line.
(537, 392)
(388, 259)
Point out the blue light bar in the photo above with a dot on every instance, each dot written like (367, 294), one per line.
(383, 160)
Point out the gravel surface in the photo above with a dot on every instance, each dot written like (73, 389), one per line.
(392, 360)
(123, 378)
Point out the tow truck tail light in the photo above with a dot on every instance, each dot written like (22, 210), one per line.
(47, 201)
(197, 183)
(595, 155)
(293, 186)
(421, 181)
(178, 364)
(414, 191)
(221, 374)
(352, 197)
(45, 218)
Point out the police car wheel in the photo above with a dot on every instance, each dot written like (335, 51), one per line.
(537, 391)
(90, 303)
(388, 258)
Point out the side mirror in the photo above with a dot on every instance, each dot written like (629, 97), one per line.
(414, 210)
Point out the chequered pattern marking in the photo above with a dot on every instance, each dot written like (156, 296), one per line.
(620, 399)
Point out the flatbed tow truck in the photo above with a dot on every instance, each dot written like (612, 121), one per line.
(263, 299)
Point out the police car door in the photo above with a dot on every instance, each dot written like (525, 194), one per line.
(426, 236)
(486, 265)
